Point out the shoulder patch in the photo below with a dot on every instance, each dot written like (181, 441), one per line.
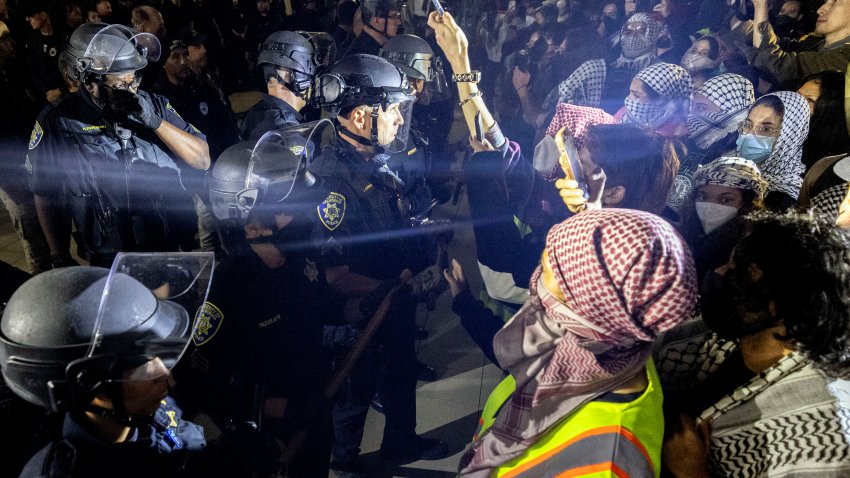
(411, 152)
(208, 323)
(172, 110)
(36, 135)
(332, 210)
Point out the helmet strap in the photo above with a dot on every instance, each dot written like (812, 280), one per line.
(301, 93)
(361, 140)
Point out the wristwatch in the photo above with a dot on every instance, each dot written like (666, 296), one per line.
(473, 76)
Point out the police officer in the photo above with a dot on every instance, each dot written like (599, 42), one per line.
(415, 58)
(287, 62)
(119, 419)
(381, 21)
(366, 245)
(114, 152)
(260, 358)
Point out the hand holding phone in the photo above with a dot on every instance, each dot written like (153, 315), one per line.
(438, 7)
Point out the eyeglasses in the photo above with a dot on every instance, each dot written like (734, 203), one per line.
(748, 127)
(124, 85)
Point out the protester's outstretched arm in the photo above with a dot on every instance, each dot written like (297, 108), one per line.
(453, 42)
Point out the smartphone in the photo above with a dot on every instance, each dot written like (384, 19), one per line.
(438, 7)
(569, 161)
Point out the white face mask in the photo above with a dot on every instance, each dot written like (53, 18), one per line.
(713, 215)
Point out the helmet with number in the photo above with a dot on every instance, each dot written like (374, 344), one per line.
(268, 175)
(369, 80)
(292, 51)
(69, 334)
(100, 48)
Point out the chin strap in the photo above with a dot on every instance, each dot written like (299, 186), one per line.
(373, 143)
(118, 417)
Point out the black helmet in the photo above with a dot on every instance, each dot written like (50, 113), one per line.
(67, 334)
(324, 48)
(410, 53)
(100, 48)
(269, 173)
(293, 51)
(372, 81)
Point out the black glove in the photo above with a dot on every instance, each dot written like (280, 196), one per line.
(134, 107)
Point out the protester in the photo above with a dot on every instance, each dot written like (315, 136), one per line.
(725, 191)
(744, 386)
(772, 136)
(659, 99)
(576, 351)
(824, 93)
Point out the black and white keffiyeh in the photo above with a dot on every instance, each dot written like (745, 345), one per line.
(783, 169)
(828, 201)
(738, 173)
(673, 83)
(639, 50)
(734, 95)
(583, 87)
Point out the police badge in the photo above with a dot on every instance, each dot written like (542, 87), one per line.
(36, 135)
(209, 321)
(332, 210)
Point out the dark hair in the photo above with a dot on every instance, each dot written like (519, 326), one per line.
(643, 163)
(828, 126)
(345, 12)
(806, 273)
(771, 101)
(713, 46)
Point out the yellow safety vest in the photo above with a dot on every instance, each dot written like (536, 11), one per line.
(585, 441)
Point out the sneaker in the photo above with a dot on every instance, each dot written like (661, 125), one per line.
(419, 448)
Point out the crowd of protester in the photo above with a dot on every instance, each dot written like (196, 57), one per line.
(676, 303)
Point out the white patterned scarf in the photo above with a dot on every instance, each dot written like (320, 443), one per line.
(734, 95)
(784, 168)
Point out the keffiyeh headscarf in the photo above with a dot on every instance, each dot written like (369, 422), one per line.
(638, 50)
(577, 119)
(673, 83)
(783, 169)
(584, 85)
(734, 95)
(738, 173)
(693, 61)
(627, 276)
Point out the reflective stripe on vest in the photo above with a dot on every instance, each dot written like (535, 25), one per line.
(600, 439)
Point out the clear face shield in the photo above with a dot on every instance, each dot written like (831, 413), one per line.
(325, 48)
(149, 310)
(436, 87)
(277, 171)
(393, 124)
(119, 49)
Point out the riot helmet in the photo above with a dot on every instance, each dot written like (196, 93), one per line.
(71, 334)
(269, 175)
(415, 57)
(324, 49)
(101, 49)
(387, 10)
(368, 80)
(292, 51)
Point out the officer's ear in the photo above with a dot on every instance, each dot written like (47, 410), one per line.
(358, 117)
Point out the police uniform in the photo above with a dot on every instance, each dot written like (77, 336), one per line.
(120, 199)
(201, 106)
(268, 114)
(161, 448)
(42, 52)
(412, 166)
(260, 335)
(360, 225)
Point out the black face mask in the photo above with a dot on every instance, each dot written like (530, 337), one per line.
(294, 237)
(784, 25)
(732, 308)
